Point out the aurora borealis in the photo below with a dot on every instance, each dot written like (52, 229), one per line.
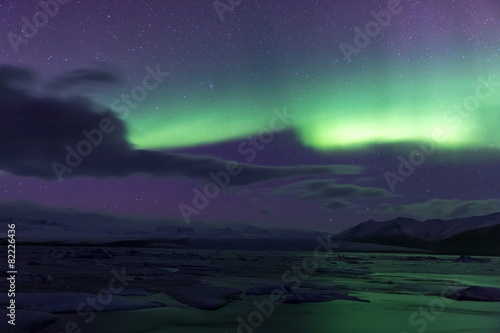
(434, 67)
(354, 117)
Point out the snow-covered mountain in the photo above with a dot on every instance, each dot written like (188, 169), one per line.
(176, 230)
(434, 234)
(474, 235)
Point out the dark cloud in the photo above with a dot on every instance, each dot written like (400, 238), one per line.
(327, 189)
(443, 209)
(9, 74)
(338, 204)
(102, 74)
(266, 211)
(364, 179)
(335, 196)
(47, 136)
(339, 196)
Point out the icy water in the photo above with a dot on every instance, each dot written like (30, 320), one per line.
(405, 294)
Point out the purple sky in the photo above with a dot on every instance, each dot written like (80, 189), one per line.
(272, 52)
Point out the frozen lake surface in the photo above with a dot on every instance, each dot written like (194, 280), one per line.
(181, 290)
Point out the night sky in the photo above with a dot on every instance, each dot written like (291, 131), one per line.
(319, 121)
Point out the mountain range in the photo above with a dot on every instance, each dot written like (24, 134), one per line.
(477, 235)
